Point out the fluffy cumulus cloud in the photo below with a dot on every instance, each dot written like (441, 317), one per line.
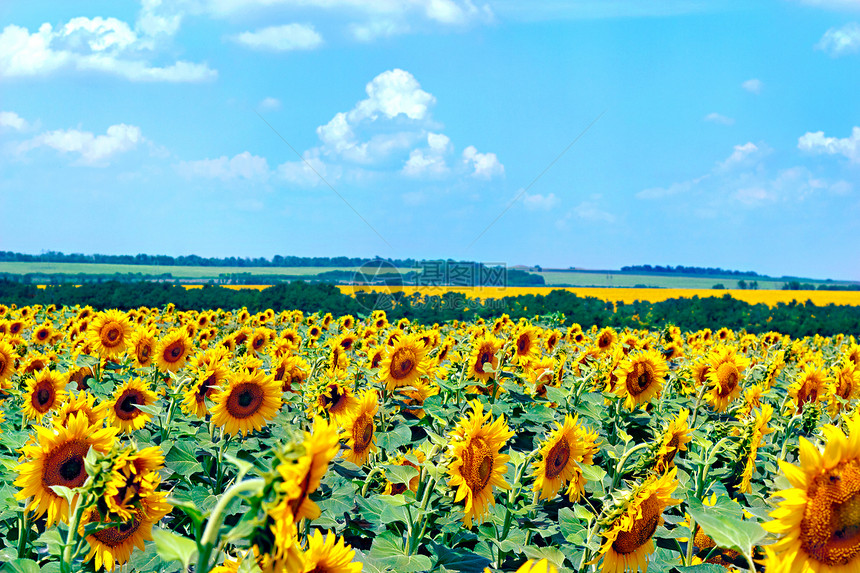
(285, 38)
(817, 142)
(753, 85)
(13, 121)
(841, 41)
(429, 161)
(241, 166)
(106, 45)
(90, 148)
(394, 123)
(482, 165)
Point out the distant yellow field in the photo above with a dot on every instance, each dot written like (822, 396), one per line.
(625, 295)
(628, 295)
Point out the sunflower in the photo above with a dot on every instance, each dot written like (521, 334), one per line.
(173, 350)
(123, 411)
(142, 347)
(258, 340)
(291, 370)
(674, 439)
(7, 363)
(301, 477)
(628, 539)
(42, 334)
(248, 402)
(484, 352)
(846, 380)
(83, 402)
(606, 339)
(641, 375)
(45, 392)
(205, 386)
(336, 399)
(817, 519)
(810, 385)
(725, 375)
(112, 546)
(57, 458)
(109, 333)
(526, 345)
(759, 431)
(405, 362)
(133, 476)
(328, 554)
(568, 446)
(476, 465)
(360, 429)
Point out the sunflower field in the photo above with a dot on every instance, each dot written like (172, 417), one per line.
(158, 440)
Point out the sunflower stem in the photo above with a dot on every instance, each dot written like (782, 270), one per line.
(24, 531)
(698, 403)
(213, 525)
(368, 479)
(69, 547)
(219, 472)
(619, 469)
(689, 556)
(786, 435)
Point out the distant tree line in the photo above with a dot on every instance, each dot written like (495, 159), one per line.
(196, 261)
(680, 269)
(795, 319)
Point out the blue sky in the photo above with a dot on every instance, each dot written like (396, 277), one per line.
(727, 133)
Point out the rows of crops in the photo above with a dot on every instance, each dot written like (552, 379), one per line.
(158, 440)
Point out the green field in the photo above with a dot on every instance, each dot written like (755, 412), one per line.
(583, 279)
(552, 278)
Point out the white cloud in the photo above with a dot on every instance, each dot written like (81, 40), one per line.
(93, 149)
(753, 85)
(841, 41)
(393, 93)
(538, 202)
(157, 18)
(240, 166)
(742, 154)
(269, 104)
(421, 164)
(483, 165)
(312, 172)
(673, 189)
(717, 118)
(400, 14)
(817, 143)
(288, 37)
(13, 120)
(97, 44)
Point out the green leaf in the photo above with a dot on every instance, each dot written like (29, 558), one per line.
(244, 466)
(172, 547)
(456, 559)
(571, 527)
(51, 538)
(20, 566)
(399, 474)
(181, 459)
(724, 523)
(702, 568)
(387, 550)
(397, 437)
